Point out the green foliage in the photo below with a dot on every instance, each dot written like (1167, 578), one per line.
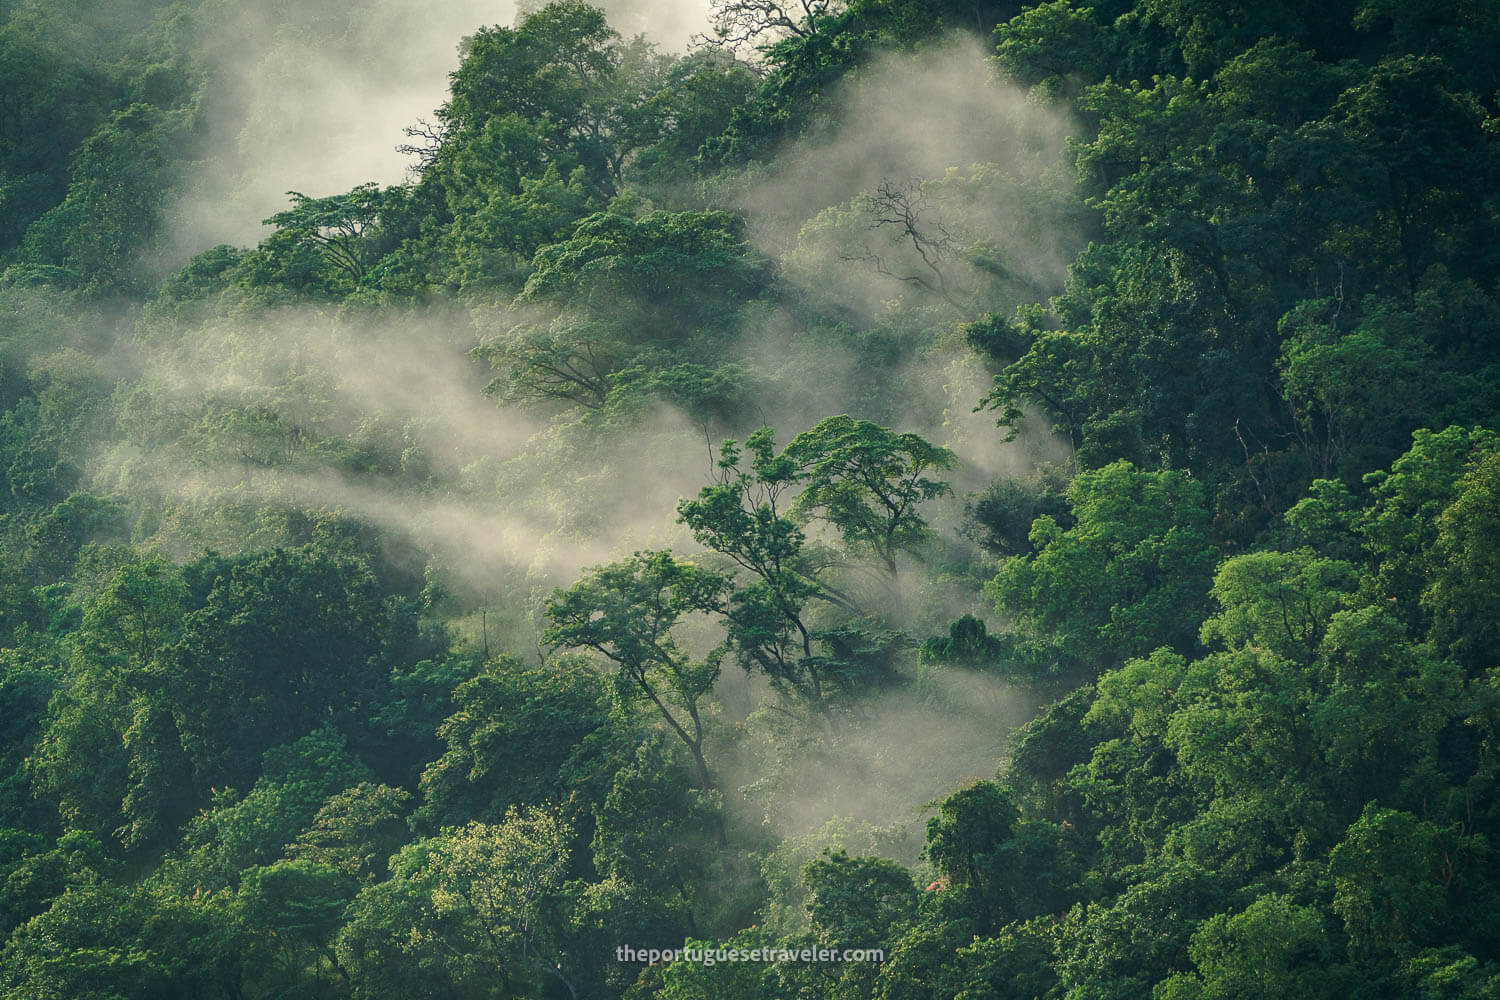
(619, 292)
(515, 737)
(356, 831)
(1048, 43)
(806, 67)
(700, 95)
(854, 901)
(1249, 575)
(1000, 518)
(1130, 575)
(464, 911)
(553, 72)
(1273, 948)
(109, 941)
(999, 867)
(1385, 876)
(867, 482)
(122, 176)
(282, 643)
(1399, 529)
(968, 644)
(1280, 601)
(1461, 595)
(1268, 160)
(627, 612)
(1346, 388)
(659, 844)
(238, 832)
(862, 479)
(292, 906)
(337, 228)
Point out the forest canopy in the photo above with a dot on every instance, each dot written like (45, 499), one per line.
(1011, 490)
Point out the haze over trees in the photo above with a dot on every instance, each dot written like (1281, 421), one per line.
(1013, 486)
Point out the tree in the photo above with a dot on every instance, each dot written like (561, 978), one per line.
(852, 903)
(514, 737)
(393, 944)
(736, 23)
(1002, 867)
(486, 891)
(902, 210)
(1451, 972)
(503, 873)
(338, 226)
(137, 614)
(1281, 601)
(971, 823)
(1050, 43)
(1352, 394)
(1400, 527)
(989, 236)
(554, 79)
(295, 907)
(33, 877)
(1464, 593)
(1429, 144)
(1018, 960)
(77, 761)
(1273, 948)
(1131, 574)
(627, 611)
(238, 832)
(1386, 880)
(105, 940)
(1000, 518)
(687, 980)
(858, 902)
(356, 831)
(117, 200)
(285, 641)
(868, 482)
(1208, 34)
(620, 291)
(742, 518)
(699, 96)
(661, 851)
(968, 644)
(1256, 739)
(55, 99)
(1119, 947)
(1389, 710)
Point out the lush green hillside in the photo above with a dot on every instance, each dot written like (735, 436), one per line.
(1014, 487)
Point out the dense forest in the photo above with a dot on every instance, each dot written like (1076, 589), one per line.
(1010, 486)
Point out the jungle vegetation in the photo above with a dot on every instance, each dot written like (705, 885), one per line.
(1013, 485)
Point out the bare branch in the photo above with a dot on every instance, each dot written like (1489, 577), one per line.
(905, 209)
(737, 23)
(428, 138)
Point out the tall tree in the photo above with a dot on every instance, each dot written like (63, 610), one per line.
(868, 482)
(628, 611)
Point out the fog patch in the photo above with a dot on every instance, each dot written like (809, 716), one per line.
(313, 97)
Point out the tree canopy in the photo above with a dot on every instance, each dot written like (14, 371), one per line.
(1006, 493)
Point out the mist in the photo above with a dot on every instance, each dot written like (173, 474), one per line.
(374, 67)
(527, 507)
(903, 116)
(590, 531)
(240, 417)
